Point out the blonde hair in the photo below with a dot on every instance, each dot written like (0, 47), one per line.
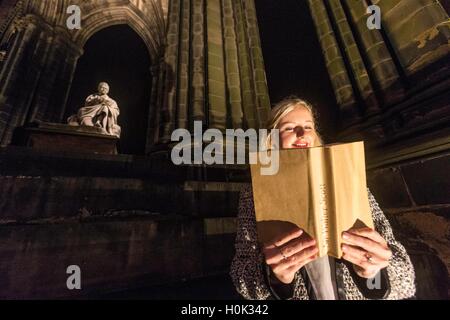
(282, 108)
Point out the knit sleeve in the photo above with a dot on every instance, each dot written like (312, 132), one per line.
(247, 271)
(400, 269)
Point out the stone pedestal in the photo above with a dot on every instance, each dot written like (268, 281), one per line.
(62, 137)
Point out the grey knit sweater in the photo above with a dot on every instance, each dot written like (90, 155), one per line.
(247, 266)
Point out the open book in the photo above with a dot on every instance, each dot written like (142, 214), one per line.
(321, 190)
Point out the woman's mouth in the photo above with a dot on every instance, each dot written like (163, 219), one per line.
(300, 144)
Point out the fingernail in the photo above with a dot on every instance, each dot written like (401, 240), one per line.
(345, 235)
(344, 247)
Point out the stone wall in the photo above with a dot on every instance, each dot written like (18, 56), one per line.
(415, 196)
(128, 222)
(136, 222)
(114, 254)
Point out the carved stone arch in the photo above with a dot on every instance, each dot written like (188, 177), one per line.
(101, 19)
(128, 71)
(151, 29)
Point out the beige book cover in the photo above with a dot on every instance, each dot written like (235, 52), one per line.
(321, 190)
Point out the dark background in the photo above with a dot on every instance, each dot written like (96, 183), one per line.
(118, 56)
(293, 59)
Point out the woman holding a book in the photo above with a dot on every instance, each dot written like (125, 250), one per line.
(373, 264)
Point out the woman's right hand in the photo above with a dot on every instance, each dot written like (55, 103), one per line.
(289, 253)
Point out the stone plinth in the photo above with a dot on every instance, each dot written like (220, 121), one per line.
(62, 137)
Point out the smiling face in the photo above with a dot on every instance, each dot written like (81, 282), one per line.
(297, 129)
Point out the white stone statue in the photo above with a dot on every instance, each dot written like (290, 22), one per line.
(99, 111)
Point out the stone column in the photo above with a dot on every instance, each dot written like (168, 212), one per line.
(5, 75)
(419, 37)
(338, 73)
(41, 69)
(19, 77)
(214, 70)
(381, 67)
(354, 58)
(154, 110)
(217, 99)
(168, 111)
(260, 82)
(56, 78)
(364, 64)
(46, 88)
(245, 68)
(182, 114)
(9, 10)
(58, 101)
(198, 63)
(235, 114)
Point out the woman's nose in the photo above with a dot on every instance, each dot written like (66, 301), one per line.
(299, 131)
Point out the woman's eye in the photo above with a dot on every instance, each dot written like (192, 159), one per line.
(288, 129)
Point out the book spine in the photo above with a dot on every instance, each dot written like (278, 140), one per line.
(323, 209)
(319, 196)
(338, 189)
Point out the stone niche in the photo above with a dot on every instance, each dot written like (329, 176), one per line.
(61, 137)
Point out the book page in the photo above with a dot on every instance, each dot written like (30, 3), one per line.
(349, 203)
(281, 197)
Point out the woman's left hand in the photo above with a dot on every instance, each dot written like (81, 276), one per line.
(367, 250)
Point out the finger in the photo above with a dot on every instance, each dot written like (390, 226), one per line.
(297, 245)
(356, 260)
(366, 244)
(298, 259)
(273, 255)
(288, 236)
(294, 268)
(303, 257)
(288, 272)
(287, 266)
(369, 267)
(358, 252)
(375, 236)
(368, 233)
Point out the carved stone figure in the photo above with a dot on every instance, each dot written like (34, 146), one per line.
(99, 111)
